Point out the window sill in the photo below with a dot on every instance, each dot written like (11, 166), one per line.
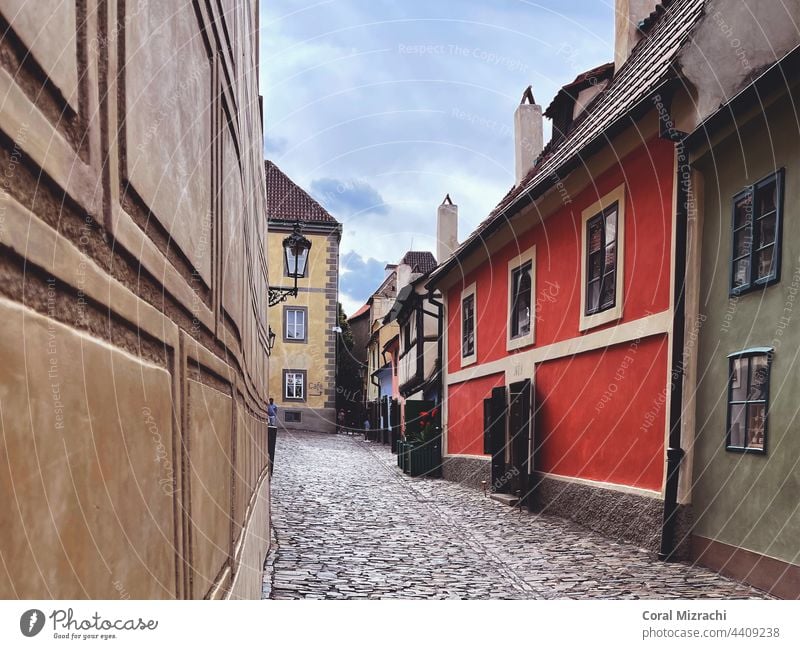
(519, 342)
(468, 360)
(755, 286)
(749, 451)
(597, 319)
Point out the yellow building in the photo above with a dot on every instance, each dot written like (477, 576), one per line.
(303, 361)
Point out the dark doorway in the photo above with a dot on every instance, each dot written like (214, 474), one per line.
(519, 435)
(494, 435)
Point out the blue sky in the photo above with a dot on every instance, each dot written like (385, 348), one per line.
(379, 108)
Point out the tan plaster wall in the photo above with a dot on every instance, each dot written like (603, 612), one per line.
(318, 294)
(133, 361)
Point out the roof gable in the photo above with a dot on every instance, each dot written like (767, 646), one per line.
(287, 201)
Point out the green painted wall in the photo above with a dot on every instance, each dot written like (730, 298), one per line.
(749, 500)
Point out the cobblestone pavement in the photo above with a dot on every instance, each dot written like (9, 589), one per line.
(350, 525)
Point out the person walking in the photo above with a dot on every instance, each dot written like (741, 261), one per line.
(272, 412)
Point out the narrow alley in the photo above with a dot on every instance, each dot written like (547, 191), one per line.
(350, 525)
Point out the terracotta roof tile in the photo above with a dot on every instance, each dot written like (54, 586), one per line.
(287, 201)
(421, 261)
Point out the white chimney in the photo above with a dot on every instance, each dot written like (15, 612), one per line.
(403, 276)
(446, 230)
(627, 16)
(528, 136)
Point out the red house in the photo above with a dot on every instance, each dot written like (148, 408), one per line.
(560, 308)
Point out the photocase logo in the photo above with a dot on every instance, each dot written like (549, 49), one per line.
(31, 622)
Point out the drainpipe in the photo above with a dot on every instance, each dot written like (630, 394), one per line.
(674, 451)
(439, 339)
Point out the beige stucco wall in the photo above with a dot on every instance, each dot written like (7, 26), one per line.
(318, 293)
(133, 364)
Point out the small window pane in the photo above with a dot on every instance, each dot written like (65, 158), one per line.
(742, 242)
(757, 416)
(738, 422)
(739, 379)
(611, 227)
(594, 295)
(521, 307)
(743, 211)
(766, 230)
(764, 259)
(758, 378)
(766, 198)
(608, 291)
(741, 269)
(611, 257)
(595, 266)
(595, 235)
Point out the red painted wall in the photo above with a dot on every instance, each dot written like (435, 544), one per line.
(601, 415)
(648, 175)
(465, 414)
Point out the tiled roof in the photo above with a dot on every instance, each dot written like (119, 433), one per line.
(647, 68)
(421, 261)
(287, 201)
(364, 309)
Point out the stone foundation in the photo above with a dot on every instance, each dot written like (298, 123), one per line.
(623, 517)
(469, 471)
(315, 420)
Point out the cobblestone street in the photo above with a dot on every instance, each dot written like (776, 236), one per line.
(349, 524)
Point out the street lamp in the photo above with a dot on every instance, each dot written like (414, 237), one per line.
(271, 340)
(295, 253)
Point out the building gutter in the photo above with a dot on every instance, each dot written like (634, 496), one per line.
(675, 453)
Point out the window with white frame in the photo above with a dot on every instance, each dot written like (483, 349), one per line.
(521, 276)
(602, 256)
(294, 385)
(469, 338)
(295, 324)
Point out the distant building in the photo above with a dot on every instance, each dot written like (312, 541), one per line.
(302, 380)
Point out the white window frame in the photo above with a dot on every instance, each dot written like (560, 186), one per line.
(473, 357)
(295, 374)
(521, 341)
(295, 310)
(616, 195)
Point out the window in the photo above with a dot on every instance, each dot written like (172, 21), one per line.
(521, 304)
(601, 260)
(469, 344)
(748, 397)
(521, 307)
(756, 221)
(292, 416)
(294, 324)
(294, 385)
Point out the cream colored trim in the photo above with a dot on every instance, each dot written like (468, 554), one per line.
(616, 195)
(485, 458)
(691, 342)
(521, 364)
(513, 264)
(469, 290)
(610, 486)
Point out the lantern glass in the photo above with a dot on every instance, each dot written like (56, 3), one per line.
(295, 250)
